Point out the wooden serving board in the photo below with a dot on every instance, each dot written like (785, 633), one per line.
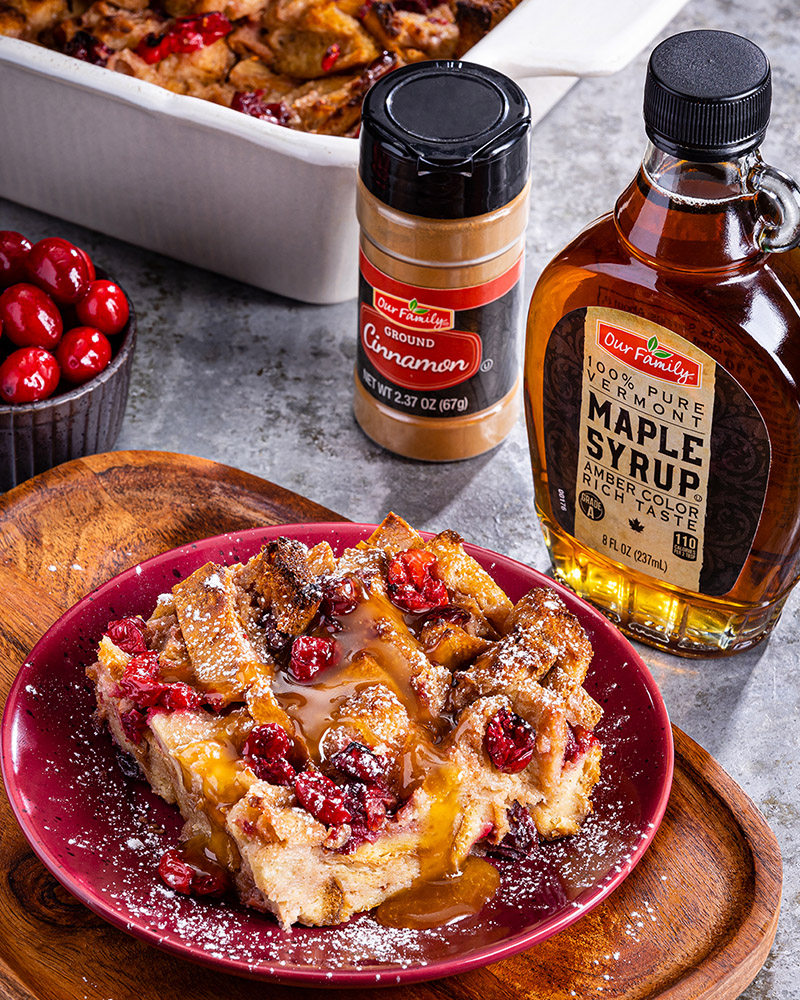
(695, 919)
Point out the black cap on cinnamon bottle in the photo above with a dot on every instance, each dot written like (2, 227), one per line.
(445, 139)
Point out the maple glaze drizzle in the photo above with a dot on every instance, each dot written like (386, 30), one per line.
(376, 644)
(440, 900)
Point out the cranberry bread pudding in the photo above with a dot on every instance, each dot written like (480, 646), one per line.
(335, 731)
(304, 64)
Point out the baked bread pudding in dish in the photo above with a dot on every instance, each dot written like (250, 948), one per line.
(339, 733)
(305, 64)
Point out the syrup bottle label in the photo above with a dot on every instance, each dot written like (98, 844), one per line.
(438, 352)
(657, 458)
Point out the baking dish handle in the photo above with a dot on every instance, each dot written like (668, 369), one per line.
(573, 37)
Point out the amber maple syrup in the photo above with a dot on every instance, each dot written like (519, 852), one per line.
(662, 366)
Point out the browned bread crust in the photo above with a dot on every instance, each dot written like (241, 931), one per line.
(429, 661)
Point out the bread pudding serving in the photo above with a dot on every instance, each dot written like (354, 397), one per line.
(338, 733)
(304, 64)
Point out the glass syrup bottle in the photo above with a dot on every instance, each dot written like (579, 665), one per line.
(662, 369)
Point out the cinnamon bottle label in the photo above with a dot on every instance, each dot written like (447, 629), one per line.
(656, 456)
(438, 352)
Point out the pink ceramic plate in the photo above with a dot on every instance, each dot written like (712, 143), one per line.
(100, 831)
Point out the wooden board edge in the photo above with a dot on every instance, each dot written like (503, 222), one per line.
(761, 923)
(102, 462)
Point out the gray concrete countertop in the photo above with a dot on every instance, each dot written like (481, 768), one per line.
(263, 383)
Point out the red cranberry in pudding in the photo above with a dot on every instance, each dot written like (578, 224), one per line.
(103, 307)
(413, 585)
(186, 878)
(186, 34)
(251, 102)
(322, 798)
(82, 354)
(59, 268)
(87, 48)
(13, 252)
(331, 57)
(28, 375)
(178, 695)
(309, 656)
(359, 762)
(29, 316)
(128, 634)
(267, 750)
(175, 872)
(510, 741)
(339, 597)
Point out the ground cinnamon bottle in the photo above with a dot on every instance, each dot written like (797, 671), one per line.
(662, 370)
(442, 204)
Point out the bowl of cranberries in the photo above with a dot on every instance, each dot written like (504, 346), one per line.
(67, 335)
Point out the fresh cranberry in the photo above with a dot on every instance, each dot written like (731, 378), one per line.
(522, 839)
(359, 762)
(309, 656)
(579, 741)
(187, 34)
(82, 354)
(13, 253)
(412, 585)
(509, 741)
(103, 307)
(251, 102)
(175, 872)
(331, 57)
(128, 634)
(339, 597)
(322, 798)
(178, 695)
(134, 724)
(28, 375)
(89, 49)
(267, 750)
(140, 680)
(29, 316)
(59, 268)
(89, 264)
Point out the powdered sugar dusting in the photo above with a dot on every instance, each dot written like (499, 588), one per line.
(103, 833)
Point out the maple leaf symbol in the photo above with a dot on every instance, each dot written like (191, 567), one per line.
(636, 524)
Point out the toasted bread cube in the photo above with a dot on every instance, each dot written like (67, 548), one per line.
(303, 46)
(393, 535)
(562, 813)
(462, 575)
(450, 645)
(282, 580)
(223, 659)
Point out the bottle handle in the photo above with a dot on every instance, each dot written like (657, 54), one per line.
(778, 202)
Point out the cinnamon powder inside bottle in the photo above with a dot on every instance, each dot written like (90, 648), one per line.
(442, 238)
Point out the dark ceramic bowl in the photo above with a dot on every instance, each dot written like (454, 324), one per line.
(82, 421)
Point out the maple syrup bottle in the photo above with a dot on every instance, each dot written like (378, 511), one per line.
(662, 369)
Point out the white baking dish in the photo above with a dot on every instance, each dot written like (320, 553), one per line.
(239, 196)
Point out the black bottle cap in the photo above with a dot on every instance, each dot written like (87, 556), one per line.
(445, 139)
(707, 96)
